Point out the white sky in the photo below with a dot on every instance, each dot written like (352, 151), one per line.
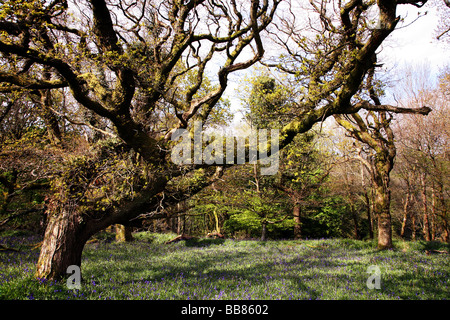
(417, 42)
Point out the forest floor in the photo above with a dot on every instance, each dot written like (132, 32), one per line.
(209, 269)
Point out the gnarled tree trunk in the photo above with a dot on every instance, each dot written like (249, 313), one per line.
(63, 243)
(69, 228)
(382, 204)
(379, 164)
(383, 165)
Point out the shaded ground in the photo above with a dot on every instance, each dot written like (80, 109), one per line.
(227, 269)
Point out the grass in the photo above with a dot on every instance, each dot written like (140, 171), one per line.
(238, 270)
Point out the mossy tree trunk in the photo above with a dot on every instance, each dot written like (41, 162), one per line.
(63, 243)
(379, 162)
(382, 209)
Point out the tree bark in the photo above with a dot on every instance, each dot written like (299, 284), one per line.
(297, 222)
(382, 204)
(123, 233)
(426, 222)
(446, 232)
(181, 224)
(405, 220)
(44, 99)
(355, 227)
(69, 229)
(10, 185)
(433, 213)
(443, 214)
(63, 243)
(51, 122)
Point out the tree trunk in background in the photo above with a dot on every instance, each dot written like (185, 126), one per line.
(297, 222)
(181, 224)
(264, 231)
(446, 233)
(355, 222)
(10, 184)
(123, 233)
(51, 122)
(405, 220)
(44, 99)
(426, 222)
(443, 213)
(369, 215)
(174, 224)
(382, 198)
(379, 161)
(433, 214)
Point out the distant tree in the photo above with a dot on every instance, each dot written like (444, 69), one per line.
(408, 175)
(424, 157)
(123, 233)
(350, 180)
(304, 170)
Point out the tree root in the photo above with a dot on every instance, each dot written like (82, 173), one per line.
(179, 238)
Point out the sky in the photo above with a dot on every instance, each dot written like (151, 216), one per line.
(417, 42)
(415, 45)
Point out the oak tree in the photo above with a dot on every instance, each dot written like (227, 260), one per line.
(125, 62)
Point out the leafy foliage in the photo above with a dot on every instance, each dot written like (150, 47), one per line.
(99, 182)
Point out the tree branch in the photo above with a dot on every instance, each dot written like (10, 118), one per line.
(25, 83)
(75, 82)
(416, 3)
(368, 106)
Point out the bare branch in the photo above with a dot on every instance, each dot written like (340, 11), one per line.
(423, 110)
